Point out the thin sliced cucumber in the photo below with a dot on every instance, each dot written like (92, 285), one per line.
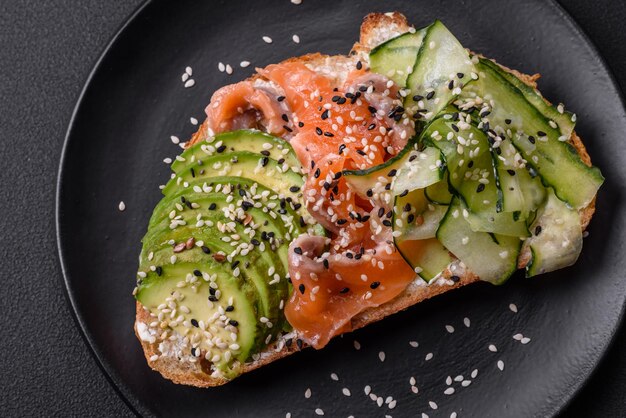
(415, 218)
(439, 193)
(395, 58)
(442, 68)
(427, 256)
(557, 237)
(492, 257)
(540, 144)
(565, 120)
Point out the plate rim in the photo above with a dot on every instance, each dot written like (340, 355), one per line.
(131, 401)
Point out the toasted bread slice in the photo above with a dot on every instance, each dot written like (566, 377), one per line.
(168, 358)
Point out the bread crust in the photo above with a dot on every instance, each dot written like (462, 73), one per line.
(188, 373)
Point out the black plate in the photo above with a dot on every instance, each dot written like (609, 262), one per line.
(134, 100)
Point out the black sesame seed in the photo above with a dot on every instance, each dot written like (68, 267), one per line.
(299, 343)
(319, 131)
(511, 172)
(417, 98)
(381, 212)
(341, 221)
(372, 126)
(329, 134)
(194, 322)
(298, 250)
(193, 172)
(229, 308)
(538, 230)
(374, 285)
(221, 148)
(344, 290)
(451, 85)
(531, 139)
(480, 188)
(197, 273)
(285, 117)
(213, 298)
(265, 152)
(212, 206)
(280, 98)
(233, 322)
(455, 279)
(294, 189)
(264, 161)
(541, 133)
(300, 124)
(325, 262)
(325, 114)
(460, 75)
(369, 193)
(404, 193)
(470, 164)
(507, 121)
(361, 152)
(159, 270)
(317, 173)
(359, 65)
(387, 222)
(372, 109)
(410, 218)
(392, 173)
(349, 255)
(430, 95)
(287, 128)
(301, 288)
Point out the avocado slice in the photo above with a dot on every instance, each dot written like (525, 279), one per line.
(215, 310)
(242, 140)
(260, 168)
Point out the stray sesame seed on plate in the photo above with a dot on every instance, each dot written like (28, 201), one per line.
(193, 121)
(518, 337)
(189, 70)
(357, 345)
(190, 83)
(121, 206)
(296, 39)
(334, 376)
(466, 321)
(229, 69)
(448, 391)
(267, 40)
(493, 348)
(296, 2)
(288, 415)
(184, 77)
(449, 380)
(381, 356)
(424, 415)
(474, 373)
(175, 139)
(244, 64)
(319, 411)
(413, 344)
(367, 389)
(154, 357)
(392, 404)
(450, 328)
(466, 383)
(500, 365)
(513, 307)
(307, 393)
(428, 356)
(525, 340)
(433, 405)
(221, 67)
(167, 160)
(346, 392)
(412, 381)
(414, 389)
(453, 415)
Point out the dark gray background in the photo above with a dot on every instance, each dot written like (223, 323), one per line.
(47, 49)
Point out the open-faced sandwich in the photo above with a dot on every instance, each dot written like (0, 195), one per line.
(327, 192)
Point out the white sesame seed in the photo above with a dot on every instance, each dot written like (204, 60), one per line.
(288, 415)
(193, 121)
(121, 206)
(513, 307)
(229, 69)
(412, 381)
(296, 2)
(174, 139)
(433, 405)
(381, 356)
(346, 392)
(424, 415)
(492, 348)
(448, 391)
(450, 328)
(244, 64)
(518, 337)
(449, 380)
(525, 340)
(428, 356)
(392, 404)
(466, 321)
(379, 401)
(296, 39)
(500, 365)
(307, 393)
(267, 40)
(453, 415)
(221, 67)
(190, 83)
(474, 373)
(184, 77)
(319, 411)
(334, 376)
(154, 357)
(167, 160)
(414, 389)
(357, 345)
(466, 383)
(413, 344)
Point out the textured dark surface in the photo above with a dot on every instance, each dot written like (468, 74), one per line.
(46, 51)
